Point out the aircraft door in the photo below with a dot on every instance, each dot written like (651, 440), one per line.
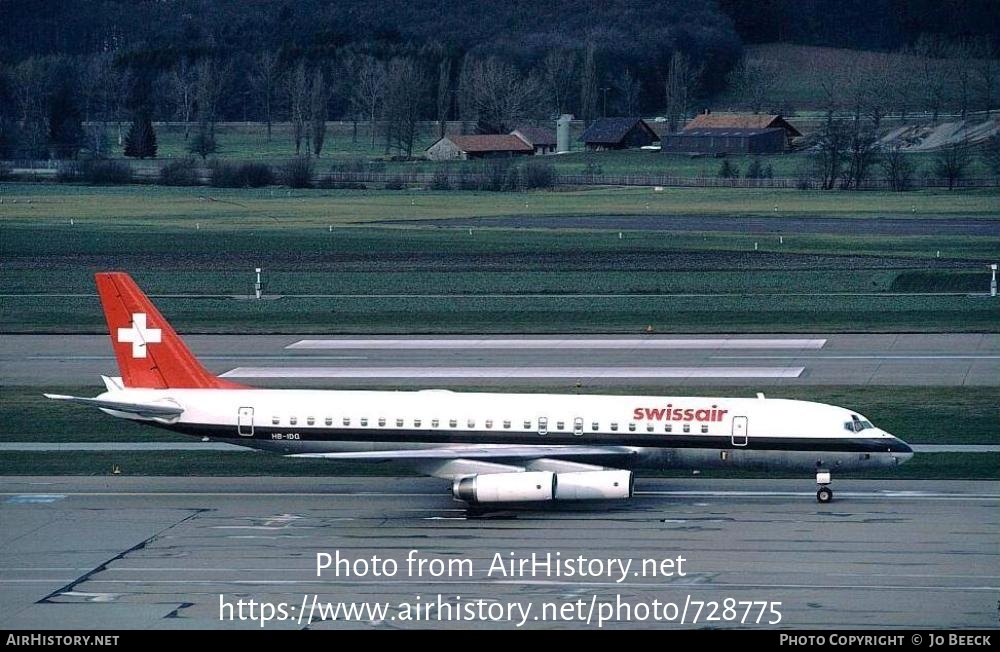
(578, 426)
(543, 425)
(740, 431)
(244, 422)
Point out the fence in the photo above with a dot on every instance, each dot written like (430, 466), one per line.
(457, 179)
(148, 172)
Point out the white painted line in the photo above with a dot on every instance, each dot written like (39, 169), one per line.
(514, 372)
(856, 357)
(561, 343)
(248, 356)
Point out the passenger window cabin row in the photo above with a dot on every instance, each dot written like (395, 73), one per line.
(542, 424)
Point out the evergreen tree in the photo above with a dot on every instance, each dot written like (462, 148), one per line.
(65, 122)
(203, 142)
(140, 141)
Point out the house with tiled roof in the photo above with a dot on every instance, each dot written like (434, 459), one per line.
(618, 133)
(743, 121)
(541, 139)
(450, 148)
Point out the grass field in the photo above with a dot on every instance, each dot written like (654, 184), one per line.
(246, 209)
(919, 415)
(190, 242)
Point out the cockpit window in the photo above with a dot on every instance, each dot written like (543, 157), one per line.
(857, 425)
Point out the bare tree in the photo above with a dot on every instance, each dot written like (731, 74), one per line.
(985, 66)
(297, 87)
(264, 80)
(880, 79)
(369, 91)
(183, 84)
(628, 89)
(681, 85)
(443, 95)
(405, 97)
(31, 89)
(318, 98)
(754, 81)
(897, 167)
(951, 162)
(991, 153)
(960, 69)
(588, 84)
(832, 144)
(930, 49)
(560, 73)
(495, 95)
(212, 77)
(863, 153)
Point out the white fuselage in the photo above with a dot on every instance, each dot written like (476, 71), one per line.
(662, 432)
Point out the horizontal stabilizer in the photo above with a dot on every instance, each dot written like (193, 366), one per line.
(495, 452)
(149, 410)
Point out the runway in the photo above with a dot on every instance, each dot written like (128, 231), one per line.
(131, 552)
(759, 360)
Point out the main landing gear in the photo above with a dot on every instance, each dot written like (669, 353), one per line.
(824, 494)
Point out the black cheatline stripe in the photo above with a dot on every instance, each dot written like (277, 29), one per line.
(646, 440)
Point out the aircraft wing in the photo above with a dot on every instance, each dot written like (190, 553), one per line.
(148, 410)
(452, 462)
(472, 452)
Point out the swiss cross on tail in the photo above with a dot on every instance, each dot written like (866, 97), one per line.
(149, 352)
(138, 335)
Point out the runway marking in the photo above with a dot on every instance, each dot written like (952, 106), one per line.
(33, 499)
(856, 357)
(209, 357)
(561, 343)
(714, 586)
(917, 495)
(514, 372)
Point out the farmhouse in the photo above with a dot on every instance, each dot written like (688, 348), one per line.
(452, 148)
(542, 140)
(618, 133)
(726, 141)
(755, 121)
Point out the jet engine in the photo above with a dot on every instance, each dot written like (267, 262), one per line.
(594, 485)
(530, 486)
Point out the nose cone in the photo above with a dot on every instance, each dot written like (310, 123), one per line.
(901, 450)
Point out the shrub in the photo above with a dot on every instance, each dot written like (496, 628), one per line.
(494, 174)
(394, 183)
(538, 174)
(180, 172)
(513, 181)
(298, 173)
(106, 172)
(256, 175)
(5, 173)
(440, 180)
(728, 171)
(244, 175)
(755, 170)
(95, 172)
(69, 172)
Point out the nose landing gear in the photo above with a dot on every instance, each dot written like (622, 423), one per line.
(824, 494)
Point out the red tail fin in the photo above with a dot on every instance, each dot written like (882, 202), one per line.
(149, 352)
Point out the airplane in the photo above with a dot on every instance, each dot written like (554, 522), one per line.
(493, 447)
